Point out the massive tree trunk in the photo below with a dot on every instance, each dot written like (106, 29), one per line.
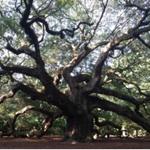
(79, 127)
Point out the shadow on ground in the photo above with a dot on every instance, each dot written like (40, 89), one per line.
(55, 143)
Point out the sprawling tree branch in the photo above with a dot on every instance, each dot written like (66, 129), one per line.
(60, 33)
(119, 95)
(20, 69)
(99, 20)
(21, 50)
(33, 93)
(96, 102)
(132, 33)
(51, 115)
(54, 97)
(74, 62)
(116, 75)
(30, 32)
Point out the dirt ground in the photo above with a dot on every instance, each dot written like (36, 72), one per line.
(56, 143)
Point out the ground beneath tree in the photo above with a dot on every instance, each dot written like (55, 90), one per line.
(56, 143)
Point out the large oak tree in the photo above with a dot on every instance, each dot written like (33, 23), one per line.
(63, 52)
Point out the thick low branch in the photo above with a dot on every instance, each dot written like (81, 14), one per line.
(119, 95)
(54, 97)
(96, 102)
(51, 115)
(34, 94)
(20, 69)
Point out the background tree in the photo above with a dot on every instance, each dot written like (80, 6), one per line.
(78, 56)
